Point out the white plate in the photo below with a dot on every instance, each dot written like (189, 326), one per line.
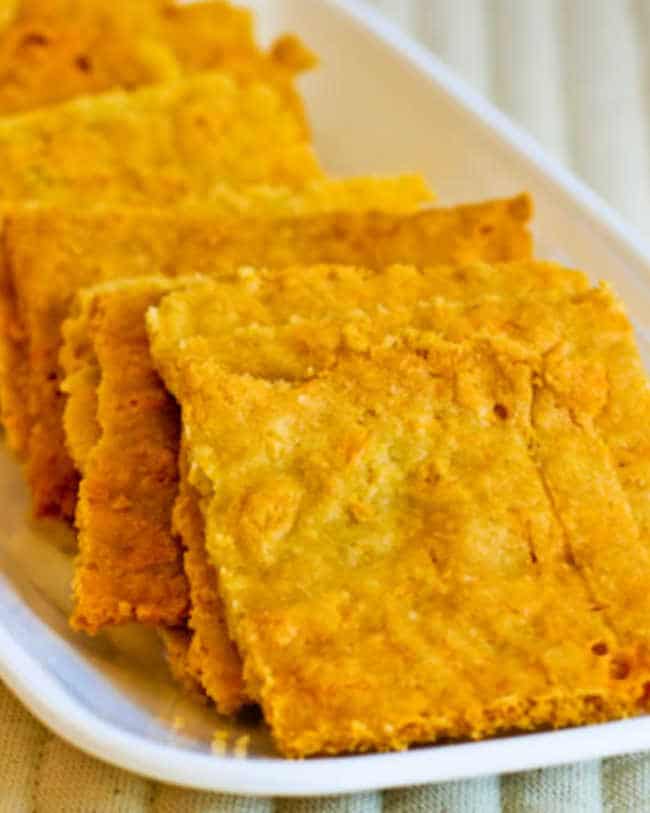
(380, 103)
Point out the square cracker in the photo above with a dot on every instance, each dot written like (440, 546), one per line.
(164, 144)
(554, 312)
(56, 50)
(51, 256)
(129, 465)
(426, 541)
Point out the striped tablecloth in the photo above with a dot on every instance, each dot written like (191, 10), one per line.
(576, 73)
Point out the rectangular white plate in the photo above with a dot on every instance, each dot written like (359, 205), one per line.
(380, 103)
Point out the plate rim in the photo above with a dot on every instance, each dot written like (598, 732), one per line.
(326, 776)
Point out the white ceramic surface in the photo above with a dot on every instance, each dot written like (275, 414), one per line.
(382, 104)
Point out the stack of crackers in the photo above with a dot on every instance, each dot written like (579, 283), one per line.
(361, 460)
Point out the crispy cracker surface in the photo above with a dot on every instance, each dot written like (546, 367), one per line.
(114, 311)
(290, 323)
(592, 362)
(168, 143)
(129, 566)
(52, 255)
(402, 194)
(432, 468)
(53, 51)
(80, 422)
(287, 325)
(75, 233)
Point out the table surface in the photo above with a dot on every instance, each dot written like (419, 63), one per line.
(575, 73)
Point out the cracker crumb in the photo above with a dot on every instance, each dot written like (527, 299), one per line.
(242, 745)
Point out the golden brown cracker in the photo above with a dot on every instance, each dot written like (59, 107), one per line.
(131, 568)
(288, 325)
(56, 50)
(165, 144)
(296, 316)
(425, 468)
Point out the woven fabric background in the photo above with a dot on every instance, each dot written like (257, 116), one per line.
(576, 73)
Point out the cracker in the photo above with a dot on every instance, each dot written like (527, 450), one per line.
(106, 340)
(52, 255)
(296, 330)
(54, 51)
(165, 144)
(398, 555)
(131, 569)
